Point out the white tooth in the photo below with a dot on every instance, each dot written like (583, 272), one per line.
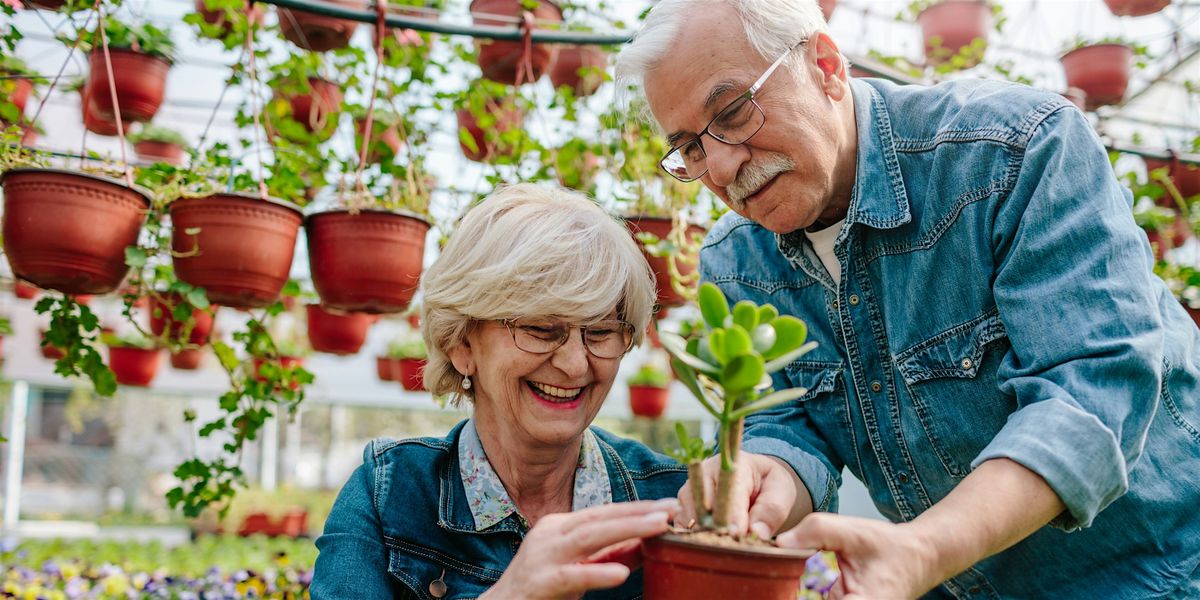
(556, 392)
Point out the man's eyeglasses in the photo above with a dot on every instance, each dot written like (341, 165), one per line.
(735, 124)
(604, 339)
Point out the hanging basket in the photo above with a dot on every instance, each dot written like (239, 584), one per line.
(661, 228)
(386, 142)
(319, 33)
(91, 120)
(68, 231)
(487, 140)
(134, 366)
(951, 25)
(648, 401)
(506, 61)
(1135, 8)
(158, 151)
(579, 68)
(412, 373)
(367, 262)
(677, 568)
(318, 109)
(337, 333)
(1101, 71)
(19, 94)
(237, 247)
(1185, 176)
(187, 360)
(163, 319)
(387, 368)
(140, 80)
(254, 15)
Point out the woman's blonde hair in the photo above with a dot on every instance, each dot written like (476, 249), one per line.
(530, 251)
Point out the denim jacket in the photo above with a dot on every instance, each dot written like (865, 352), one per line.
(402, 521)
(996, 300)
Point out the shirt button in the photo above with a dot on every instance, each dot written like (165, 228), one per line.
(876, 386)
(854, 300)
(967, 363)
(904, 479)
(974, 589)
(835, 304)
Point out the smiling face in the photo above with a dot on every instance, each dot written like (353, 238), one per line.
(800, 166)
(533, 400)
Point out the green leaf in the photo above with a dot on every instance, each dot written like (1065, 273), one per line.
(716, 345)
(737, 342)
(225, 355)
(768, 401)
(763, 337)
(197, 298)
(675, 345)
(790, 333)
(767, 313)
(745, 313)
(780, 362)
(135, 257)
(742, 373)
(713, 305)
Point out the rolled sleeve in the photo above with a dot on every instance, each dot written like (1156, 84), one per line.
(818, 476)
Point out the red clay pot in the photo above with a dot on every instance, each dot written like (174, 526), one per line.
(317, 32)
(387, 368)
(68, 231)
(158, 151)
(337, 333)
(950, 25)
(1185, 176)
(1195, 314)
(487, 144)
(568, 63)
(1101, 71)
(187, 360)
(414, 320)
(676, 568)
(217, 17)
(286, 362)
(369, 262)
(293, 524)
(317, 110)
(134, 366)
(382, 136)
(25, 291)
(1135, 8)
(161, 318)
(48, 351)
(648, 401)
(241, 247)
(827, 7)
(92, 121)
(661, 227)
(30, 136)
(141, 82)
(502, 61)
(19, 96)
(412, 373)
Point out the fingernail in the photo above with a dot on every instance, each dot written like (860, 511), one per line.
(657, 516)
(669, 504)
(761, 530)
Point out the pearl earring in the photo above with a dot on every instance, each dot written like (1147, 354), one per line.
(466, 384)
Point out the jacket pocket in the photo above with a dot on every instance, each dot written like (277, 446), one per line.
(418, 567)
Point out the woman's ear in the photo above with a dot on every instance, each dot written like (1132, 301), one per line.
(463, 358)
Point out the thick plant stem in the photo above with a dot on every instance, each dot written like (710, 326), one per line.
(731, 445)
(696, 481)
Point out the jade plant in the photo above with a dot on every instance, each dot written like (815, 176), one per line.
(726, 361)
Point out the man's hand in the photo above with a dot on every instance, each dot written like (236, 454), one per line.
(768, 496)
(567, 554)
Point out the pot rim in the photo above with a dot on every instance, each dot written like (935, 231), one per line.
(754, 551)
(137, 189)
(246, 196)
(1089, 46)
(170, 61)
(385, 211)
(553, 3)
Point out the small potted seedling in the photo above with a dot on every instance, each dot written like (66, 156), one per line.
(408, 362)
(649, 390)
(134, 360)
(726, 362)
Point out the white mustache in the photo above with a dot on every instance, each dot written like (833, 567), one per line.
(754, 175)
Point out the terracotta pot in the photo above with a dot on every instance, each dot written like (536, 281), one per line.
(487, 142)
(48, 4)
(504, 61)
(48, 351)
(134, 366)
(91, 120)
(30, 136)
(414, 320)
(1185, 176)
(140, 79)
(369, 262)
(571, 60)
(382, 136)
(161, 317)
(68, 231)
(678, 568)
(256, 522)
(294, 524)
(337, 333)
(187, 360)
(950, 25)
(286, 362)
(1135, 8)
(158, 151)
(648, 401)
(319, 33)
(237, 247)
(19, 95)
(1101, 71)
(661, 227)
(412, 373)
(827, 7)
(25, 291)
(319, 109)
(1195, 314)
(254, 14)
(387, 368)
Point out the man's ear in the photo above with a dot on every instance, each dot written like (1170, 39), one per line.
(831, 68)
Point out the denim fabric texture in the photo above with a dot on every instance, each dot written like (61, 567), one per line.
(996, 300)
(402, 521)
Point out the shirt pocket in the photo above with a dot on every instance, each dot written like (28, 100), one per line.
(951, 382)
(416, 567)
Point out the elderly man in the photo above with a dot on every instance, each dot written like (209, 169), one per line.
(997, 363)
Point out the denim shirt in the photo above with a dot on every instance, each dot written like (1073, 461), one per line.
(996, 300)
(403, 521)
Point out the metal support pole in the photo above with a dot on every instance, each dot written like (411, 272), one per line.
(15, 461)
(270, 453)
(291, 456)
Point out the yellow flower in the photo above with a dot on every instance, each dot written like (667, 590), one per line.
(115, 585)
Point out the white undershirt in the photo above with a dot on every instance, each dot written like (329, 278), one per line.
(822, 243)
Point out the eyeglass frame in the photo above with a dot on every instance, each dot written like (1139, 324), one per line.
(746, 95)
(510, 323)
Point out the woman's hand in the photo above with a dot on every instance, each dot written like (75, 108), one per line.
(567, 554)
(767, 495)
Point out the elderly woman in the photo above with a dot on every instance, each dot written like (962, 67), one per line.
(527, 313)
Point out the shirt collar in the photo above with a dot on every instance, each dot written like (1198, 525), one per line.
(489, 501)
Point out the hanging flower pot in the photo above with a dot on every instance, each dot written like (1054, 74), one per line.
(49, 351)
(187, 360)
(412, 373)
(318, 109)
(140, 80)
(92, 121)
(237, 247)
(485, 132)
(1101, 71)
(24, 291)
(1135, 8)
(337, 333)
(387, 368)
(254, 14)
(68, 231)
(283, 362)
(580, 68)
(1194, 313)
(367, 262)
(162, 318)
(648, 401)
(20, 89)
(660, 227)
(507, 61)
(951, 25)
(386, 142)
(319, 33)
(1185, 176)
(134, 366)
(158, 144)
(678, 568)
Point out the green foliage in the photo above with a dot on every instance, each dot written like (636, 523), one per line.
(691, 450)
(113, 340)
(651, 375)
(74, 330)
(142, 37)
(157, 133)
(408, 346)
(1141, 53)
